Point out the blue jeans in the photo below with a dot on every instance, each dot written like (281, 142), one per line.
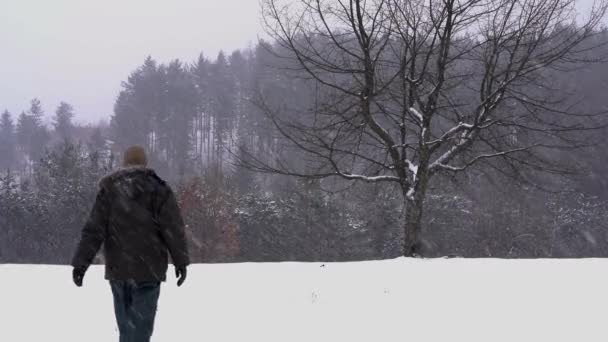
(135, 308)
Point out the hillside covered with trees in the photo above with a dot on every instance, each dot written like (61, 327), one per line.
(210, 130)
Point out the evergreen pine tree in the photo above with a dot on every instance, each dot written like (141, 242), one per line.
(39, 135)
(63, 120)
(7, 141)
(97, 142)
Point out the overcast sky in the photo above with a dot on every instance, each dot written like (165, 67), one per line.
(79, 51)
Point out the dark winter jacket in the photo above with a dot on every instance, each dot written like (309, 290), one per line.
(136, 217)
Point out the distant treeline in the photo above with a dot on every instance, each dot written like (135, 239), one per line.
(194, 118)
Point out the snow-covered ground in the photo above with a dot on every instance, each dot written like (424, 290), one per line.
(392, 300)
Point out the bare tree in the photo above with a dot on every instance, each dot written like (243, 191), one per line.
(404, 90)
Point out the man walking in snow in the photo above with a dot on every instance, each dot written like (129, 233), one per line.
(137, 219)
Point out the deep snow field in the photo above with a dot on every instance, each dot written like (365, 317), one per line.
(393, 300)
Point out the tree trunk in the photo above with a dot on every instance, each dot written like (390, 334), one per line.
(413, 220)
(414, 207)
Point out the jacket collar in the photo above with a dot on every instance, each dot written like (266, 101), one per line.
(126, 170)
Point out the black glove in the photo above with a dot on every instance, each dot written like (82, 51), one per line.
(78, 275)
(180, 272)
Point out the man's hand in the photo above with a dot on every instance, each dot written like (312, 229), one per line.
(77, 276)
(181, 272)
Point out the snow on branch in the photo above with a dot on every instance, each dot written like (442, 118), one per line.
(413, 169)
(442, 161)
(410, 193)
(368, 178)
(416, 113)
(480, 157)
(451, 132)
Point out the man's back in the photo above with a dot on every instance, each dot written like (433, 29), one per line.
(137, 217)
